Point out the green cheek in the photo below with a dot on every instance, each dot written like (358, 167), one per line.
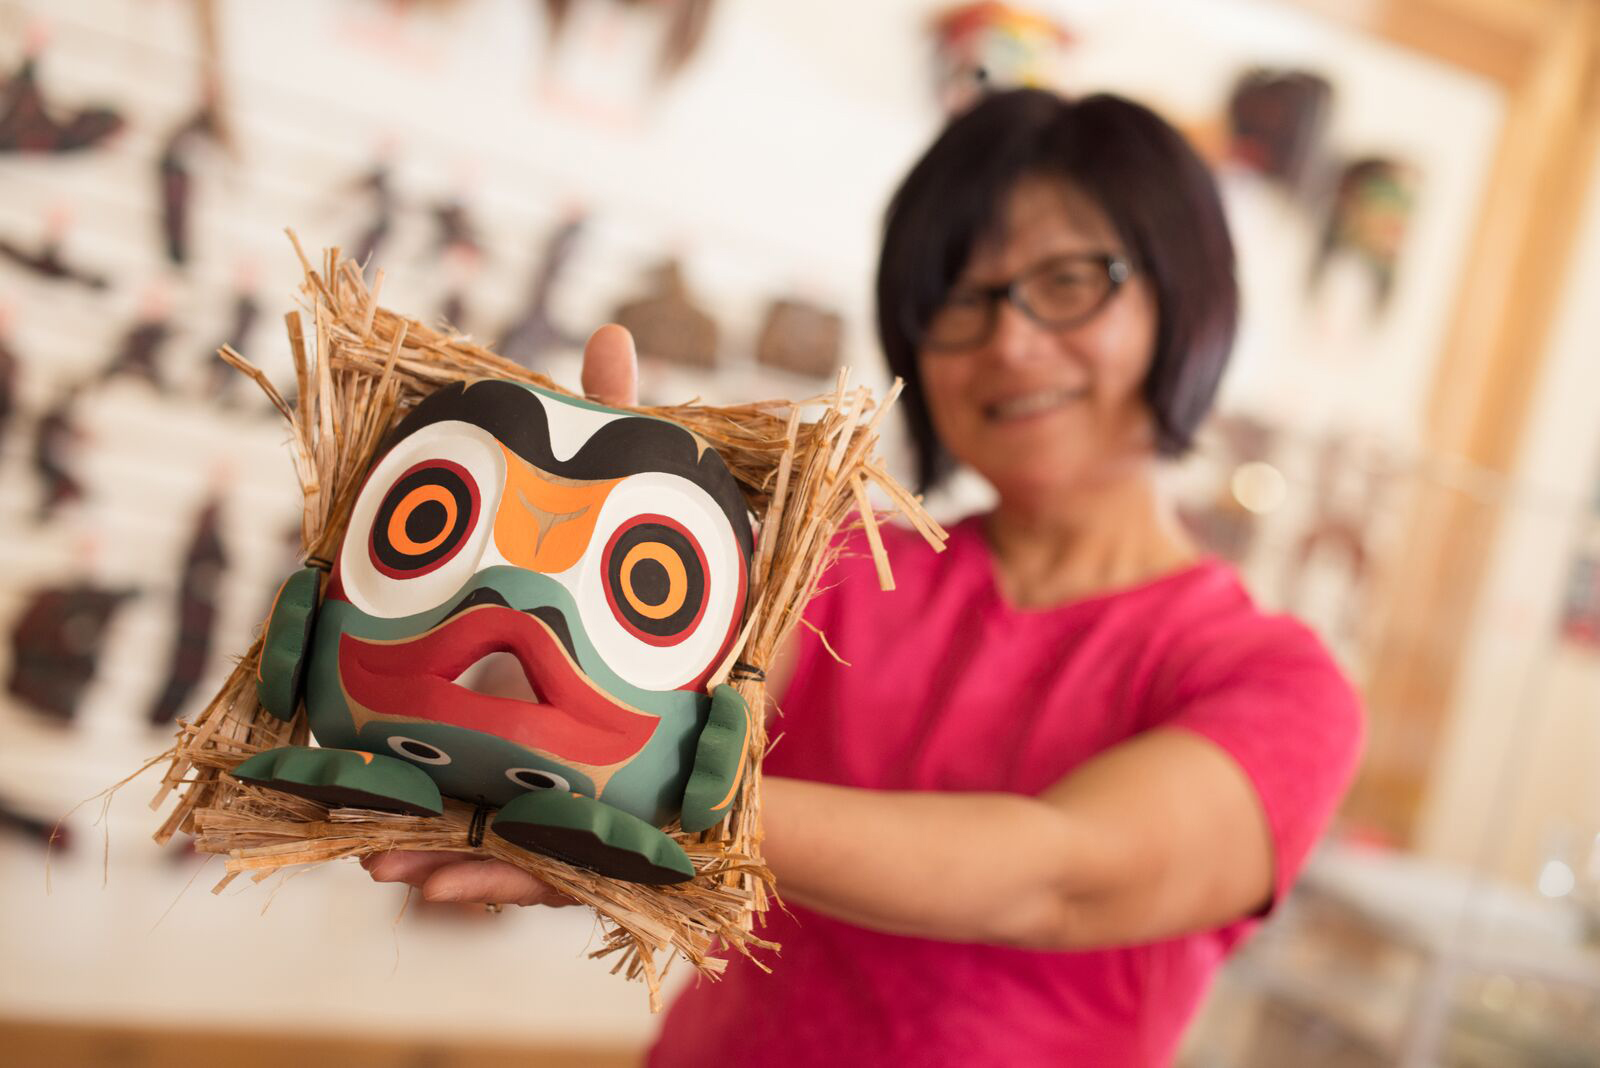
(649, 785)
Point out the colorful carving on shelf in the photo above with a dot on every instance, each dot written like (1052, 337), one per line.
(1367, 223)
(986, 46)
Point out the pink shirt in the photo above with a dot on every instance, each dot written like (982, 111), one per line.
(953, 689)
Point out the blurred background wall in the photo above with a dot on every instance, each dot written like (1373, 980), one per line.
(1407, 451)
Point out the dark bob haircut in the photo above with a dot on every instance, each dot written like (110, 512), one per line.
(1157, 194)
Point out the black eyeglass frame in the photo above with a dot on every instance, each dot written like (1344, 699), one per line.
(1118, 270)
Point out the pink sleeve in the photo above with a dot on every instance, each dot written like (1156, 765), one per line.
(851, 574)
(1275, 702)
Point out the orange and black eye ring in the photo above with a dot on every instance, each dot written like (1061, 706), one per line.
(656, 579)
(424, 519)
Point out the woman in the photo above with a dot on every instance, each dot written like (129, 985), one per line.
(1073, 764)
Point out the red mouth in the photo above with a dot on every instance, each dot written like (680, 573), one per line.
(572, 719)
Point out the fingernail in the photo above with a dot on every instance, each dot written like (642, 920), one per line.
(443, 893)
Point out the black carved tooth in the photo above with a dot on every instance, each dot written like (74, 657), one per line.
(557, 622)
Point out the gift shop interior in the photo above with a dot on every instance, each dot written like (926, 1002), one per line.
(1404, 452)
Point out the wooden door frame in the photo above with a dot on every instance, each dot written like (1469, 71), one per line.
(1544, 56)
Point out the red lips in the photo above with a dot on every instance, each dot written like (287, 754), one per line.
(573, 720)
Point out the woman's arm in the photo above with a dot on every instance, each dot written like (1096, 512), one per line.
(1153, 838)
(1160, 835)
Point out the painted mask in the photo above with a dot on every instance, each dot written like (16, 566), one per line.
(599, 554)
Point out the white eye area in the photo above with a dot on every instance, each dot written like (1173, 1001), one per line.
(537, 779)
(421, 752)
(422, 519)
(662, 583)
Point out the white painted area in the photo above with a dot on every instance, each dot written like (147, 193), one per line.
(571, 425)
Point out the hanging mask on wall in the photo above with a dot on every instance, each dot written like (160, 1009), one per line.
(1367, 224)
(176, 165)
(221, 379)
(667, 324)
(138, 355)
(56, 438)
(50, 834)
(46, 260)
(1276, 119)
(56, 643)
(597, 556)
(533, 332)
(983, 47)
(9, 366)
(378, 186)
(204, 563)
(801, 337)
(28, 123)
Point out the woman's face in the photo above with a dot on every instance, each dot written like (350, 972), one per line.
(1036, 410)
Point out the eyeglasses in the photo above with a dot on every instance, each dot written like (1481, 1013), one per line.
(1058, 294)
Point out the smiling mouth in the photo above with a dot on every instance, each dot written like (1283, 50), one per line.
(555, 709)
(1024, 405)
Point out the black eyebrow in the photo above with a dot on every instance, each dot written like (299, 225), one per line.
(628, 445)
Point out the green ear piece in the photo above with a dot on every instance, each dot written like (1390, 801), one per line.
(718, 761)
(286, 641)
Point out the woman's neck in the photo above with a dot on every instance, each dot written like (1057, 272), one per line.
(1058, 547)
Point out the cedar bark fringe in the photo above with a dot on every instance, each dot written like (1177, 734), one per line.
(358, 369)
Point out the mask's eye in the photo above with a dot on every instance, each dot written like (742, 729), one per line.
(536, 779)
(420, 524)
(424, 519)
(661, 587)
(655, 578)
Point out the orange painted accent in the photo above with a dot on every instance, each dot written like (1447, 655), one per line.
(677, 579)
(413, 500)
(545, 522)
(366, 758)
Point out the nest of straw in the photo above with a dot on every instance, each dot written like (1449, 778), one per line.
(804, 467)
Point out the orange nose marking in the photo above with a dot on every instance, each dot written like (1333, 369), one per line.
(545, 521)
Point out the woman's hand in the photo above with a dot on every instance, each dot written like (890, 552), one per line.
(462, 877)
(610, 376)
